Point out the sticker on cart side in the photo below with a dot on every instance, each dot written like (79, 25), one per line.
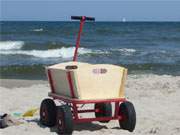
(99, 71)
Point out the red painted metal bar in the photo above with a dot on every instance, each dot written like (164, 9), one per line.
(81, 120)
(70, 84)
(78, 38)
(90, 110)
(77, 101)
(51, 81)
(75, 111)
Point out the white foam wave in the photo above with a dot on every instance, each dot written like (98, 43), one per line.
(52, 53)
(38, 30)
(11, 45)
(125, 51)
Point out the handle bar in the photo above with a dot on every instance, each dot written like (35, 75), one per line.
(82, 17)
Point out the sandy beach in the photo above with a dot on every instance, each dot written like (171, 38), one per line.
(156, 100)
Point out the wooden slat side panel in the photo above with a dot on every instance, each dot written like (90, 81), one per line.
(97, 85)
(77, 91)
(61, 82)
(122, 86)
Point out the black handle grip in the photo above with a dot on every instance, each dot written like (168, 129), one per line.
(76, 17)
(81, 17)
(90, 18)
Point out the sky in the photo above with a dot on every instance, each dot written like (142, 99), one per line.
(102, 10)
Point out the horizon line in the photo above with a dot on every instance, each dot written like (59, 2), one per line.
(88, 21)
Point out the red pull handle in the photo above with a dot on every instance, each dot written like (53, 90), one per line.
(82, 20)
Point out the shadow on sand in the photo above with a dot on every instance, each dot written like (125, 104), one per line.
(77, 127)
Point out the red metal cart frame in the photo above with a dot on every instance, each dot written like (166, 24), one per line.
(75, 109)
(73, 102)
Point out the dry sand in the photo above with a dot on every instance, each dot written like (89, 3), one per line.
(156, 100)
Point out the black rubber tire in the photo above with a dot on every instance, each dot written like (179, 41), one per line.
(64, 120)
(48, 112)
(126, 109)
(105, 110)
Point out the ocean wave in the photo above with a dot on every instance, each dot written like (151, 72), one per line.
(64, 52)
(124, 51)
(38, 30)
(52, 53)
(11, 45)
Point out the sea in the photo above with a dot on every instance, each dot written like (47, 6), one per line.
(27, 47)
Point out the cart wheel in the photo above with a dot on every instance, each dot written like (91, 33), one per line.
(127, 111)
(48, 112)
(105, 110)
(64, 120)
